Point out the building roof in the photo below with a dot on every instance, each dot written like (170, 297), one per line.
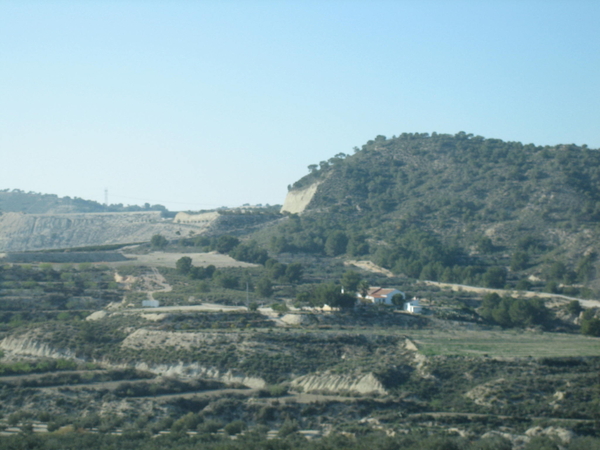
(378, 292)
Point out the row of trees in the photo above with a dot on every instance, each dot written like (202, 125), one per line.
(323, 236)
(514, 312)
(185, 267)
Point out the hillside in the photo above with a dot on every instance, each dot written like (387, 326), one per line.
(80, 357)
(430, 206)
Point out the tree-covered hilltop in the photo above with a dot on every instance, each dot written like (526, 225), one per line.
(462, 178)
(453, 207)
(16, 200)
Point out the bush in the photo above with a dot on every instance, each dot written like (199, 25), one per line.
(288, 427)
(210, 426)
(574, 307)
(158, 241)
(235, 427)
(278, 390)
(590, 325)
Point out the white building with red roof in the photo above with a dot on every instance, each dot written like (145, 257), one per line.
(379, 295)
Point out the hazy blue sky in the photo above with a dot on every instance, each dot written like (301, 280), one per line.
(198, 104)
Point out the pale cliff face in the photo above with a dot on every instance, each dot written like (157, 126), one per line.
(296, 201)
(20, 232)
(363, 383)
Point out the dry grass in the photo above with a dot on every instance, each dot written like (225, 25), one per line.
(504, 344)
(166, 259)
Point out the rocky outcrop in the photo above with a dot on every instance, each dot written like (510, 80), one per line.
(297, 200)
(201, 218)
(488, 394)
(297, 319)
(193, 371)
(361, 383)
(30, 345)
(25, 232)
(20, 231)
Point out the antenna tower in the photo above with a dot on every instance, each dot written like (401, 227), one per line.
(105, 197)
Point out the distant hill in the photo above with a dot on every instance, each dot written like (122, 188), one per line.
(431, 206)
(31, 221)
(16, 200)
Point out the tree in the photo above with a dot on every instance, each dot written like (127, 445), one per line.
(276, 270)
(197, 273)
(398, 300)
(357, 246)
(350, 281)
(210, 270)
(288, 427)
(226, 243)
(485, 245)
(184, 265)
(556, 271)
(235, 427)
(264, 287)
(249, 252)
(293, 272)
(331, 294)
(519, 261)
(585, 268)
(574, 307)
(363, 288)
(590, 325)
(227, 280)
(523, 285)
(158, 241)
(336, 243)
(495, 277)
(344, 301)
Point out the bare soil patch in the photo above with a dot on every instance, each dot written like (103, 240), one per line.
(369, 266)
(165, 259)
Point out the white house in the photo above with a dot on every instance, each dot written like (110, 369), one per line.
(413, 306)
(150, 303)
(380, 295)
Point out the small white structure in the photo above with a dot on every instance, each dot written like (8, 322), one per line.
(413, 306)
(378, 295)
(150, 303)
(327, 308)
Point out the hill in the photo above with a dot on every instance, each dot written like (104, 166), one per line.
(452, 207)
(16, 200)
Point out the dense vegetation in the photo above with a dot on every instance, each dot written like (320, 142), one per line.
(461, 209)
(256, 439)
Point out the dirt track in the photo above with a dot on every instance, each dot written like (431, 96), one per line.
(372, 267)
(481, 290)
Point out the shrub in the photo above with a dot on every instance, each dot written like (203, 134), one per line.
(288, 427)
(278, 390)
(574, 307)
(210, 426)
(235, 427)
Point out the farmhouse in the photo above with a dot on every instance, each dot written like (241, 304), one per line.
(380, 295)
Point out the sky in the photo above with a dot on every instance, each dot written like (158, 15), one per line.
(202, 104)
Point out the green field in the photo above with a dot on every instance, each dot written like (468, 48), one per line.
(511, 343)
